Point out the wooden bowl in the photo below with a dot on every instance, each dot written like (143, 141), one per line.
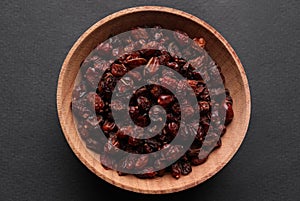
(220, 51)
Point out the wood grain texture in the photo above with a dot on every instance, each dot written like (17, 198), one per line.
(220, 51)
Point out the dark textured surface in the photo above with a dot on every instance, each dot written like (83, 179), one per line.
(36, 162)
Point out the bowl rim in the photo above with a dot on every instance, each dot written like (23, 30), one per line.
(209, 28)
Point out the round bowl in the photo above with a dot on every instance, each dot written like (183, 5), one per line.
(219, 50)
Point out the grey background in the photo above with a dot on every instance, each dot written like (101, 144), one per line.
(36, 162)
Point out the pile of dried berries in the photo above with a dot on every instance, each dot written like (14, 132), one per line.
(150, 47)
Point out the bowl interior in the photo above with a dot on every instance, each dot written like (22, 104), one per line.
(219, 50)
